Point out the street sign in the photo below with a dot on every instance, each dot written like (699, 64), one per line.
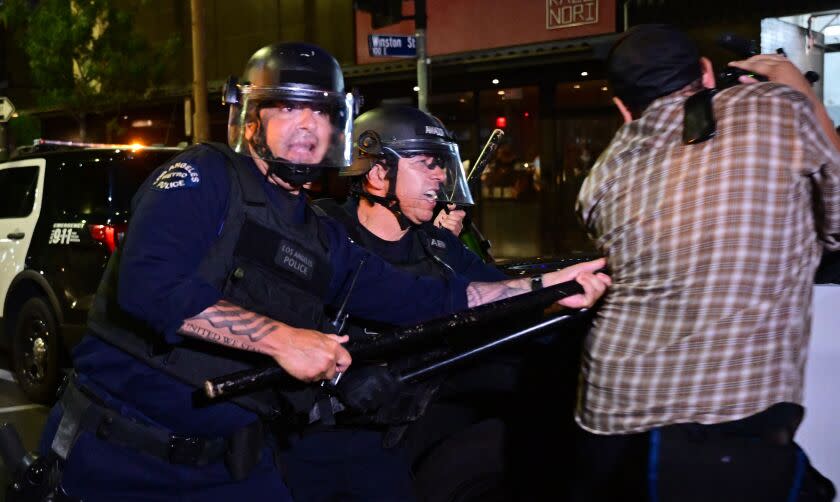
(403, 46)
(6, 109)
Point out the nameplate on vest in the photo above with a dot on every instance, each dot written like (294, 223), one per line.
(294, 259)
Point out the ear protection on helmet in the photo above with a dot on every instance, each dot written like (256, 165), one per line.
(370, 144)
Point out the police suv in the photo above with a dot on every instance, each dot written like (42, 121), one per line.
(63, 209)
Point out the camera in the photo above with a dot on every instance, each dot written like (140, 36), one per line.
(743, 49)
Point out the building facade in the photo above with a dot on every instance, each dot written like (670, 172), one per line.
(532, 68)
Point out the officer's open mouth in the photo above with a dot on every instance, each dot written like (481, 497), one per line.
(431, 195)
(302, 146)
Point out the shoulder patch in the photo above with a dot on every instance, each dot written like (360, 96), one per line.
(178, 175)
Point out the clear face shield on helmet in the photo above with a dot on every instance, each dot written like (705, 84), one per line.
(298, 130)
(428, 173)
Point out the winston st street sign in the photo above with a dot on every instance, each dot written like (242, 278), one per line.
(404, 46)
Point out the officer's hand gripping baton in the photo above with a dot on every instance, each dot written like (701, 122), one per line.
(255, 377)
(428, 334)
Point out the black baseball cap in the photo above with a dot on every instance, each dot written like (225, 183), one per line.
(651, 61)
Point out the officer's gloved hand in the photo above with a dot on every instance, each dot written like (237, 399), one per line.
(365, 389)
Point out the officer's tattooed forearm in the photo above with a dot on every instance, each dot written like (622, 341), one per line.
(479, 293)
(228, 324)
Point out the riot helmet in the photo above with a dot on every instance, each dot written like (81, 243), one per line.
(301, 86)
(420, 157)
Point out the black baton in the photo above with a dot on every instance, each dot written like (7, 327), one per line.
(427, 333)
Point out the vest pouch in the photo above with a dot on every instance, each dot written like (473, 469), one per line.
(260, 289)
(278, 275)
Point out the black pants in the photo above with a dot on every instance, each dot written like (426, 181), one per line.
(752, 459)
(346, 465)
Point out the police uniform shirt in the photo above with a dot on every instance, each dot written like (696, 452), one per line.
(180, 215)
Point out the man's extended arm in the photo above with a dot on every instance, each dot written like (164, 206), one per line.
(383, 293)
(822, 152)
(305, 354)
(778, 68)
(594, 285)
(310, 355)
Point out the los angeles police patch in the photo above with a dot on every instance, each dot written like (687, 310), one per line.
(295, 259)
(178, 175)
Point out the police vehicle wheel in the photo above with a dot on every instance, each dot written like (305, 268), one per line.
(35, 351)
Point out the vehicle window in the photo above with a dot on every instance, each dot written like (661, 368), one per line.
(126, 179)
(17, 191)
(103, 187)
(85, 189)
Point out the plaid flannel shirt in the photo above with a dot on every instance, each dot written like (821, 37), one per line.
(713, 249)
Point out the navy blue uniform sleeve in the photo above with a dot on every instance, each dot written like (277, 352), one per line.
(382, 292)
(466, 263)
(177, 218)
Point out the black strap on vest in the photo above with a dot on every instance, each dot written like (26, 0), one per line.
(253, 193)
(420, 235)
(337, 212)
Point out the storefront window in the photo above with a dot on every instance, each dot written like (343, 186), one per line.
(510, 186)
(457, 112)
(526, 196)
(585, 122)
(514, 173)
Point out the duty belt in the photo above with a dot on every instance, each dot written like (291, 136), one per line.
(83, 411)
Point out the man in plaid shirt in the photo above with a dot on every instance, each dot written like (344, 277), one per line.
(692, 373)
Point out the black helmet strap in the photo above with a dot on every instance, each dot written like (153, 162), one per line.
(390, 200)
(259, 142)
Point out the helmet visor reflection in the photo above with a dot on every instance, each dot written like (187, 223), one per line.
(442, 173)
(326, 116)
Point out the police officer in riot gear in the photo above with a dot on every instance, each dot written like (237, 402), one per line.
(394, 141)
(226, 267)
(406, 162)
(309, 88)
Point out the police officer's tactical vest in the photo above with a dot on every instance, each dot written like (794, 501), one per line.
(427, 255)
(262, 262)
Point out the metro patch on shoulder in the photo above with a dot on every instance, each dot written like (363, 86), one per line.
(178, 175)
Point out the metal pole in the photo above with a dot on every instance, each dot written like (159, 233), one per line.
(201, 127)
(626, 15)
(4, 152)
(422, 60)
